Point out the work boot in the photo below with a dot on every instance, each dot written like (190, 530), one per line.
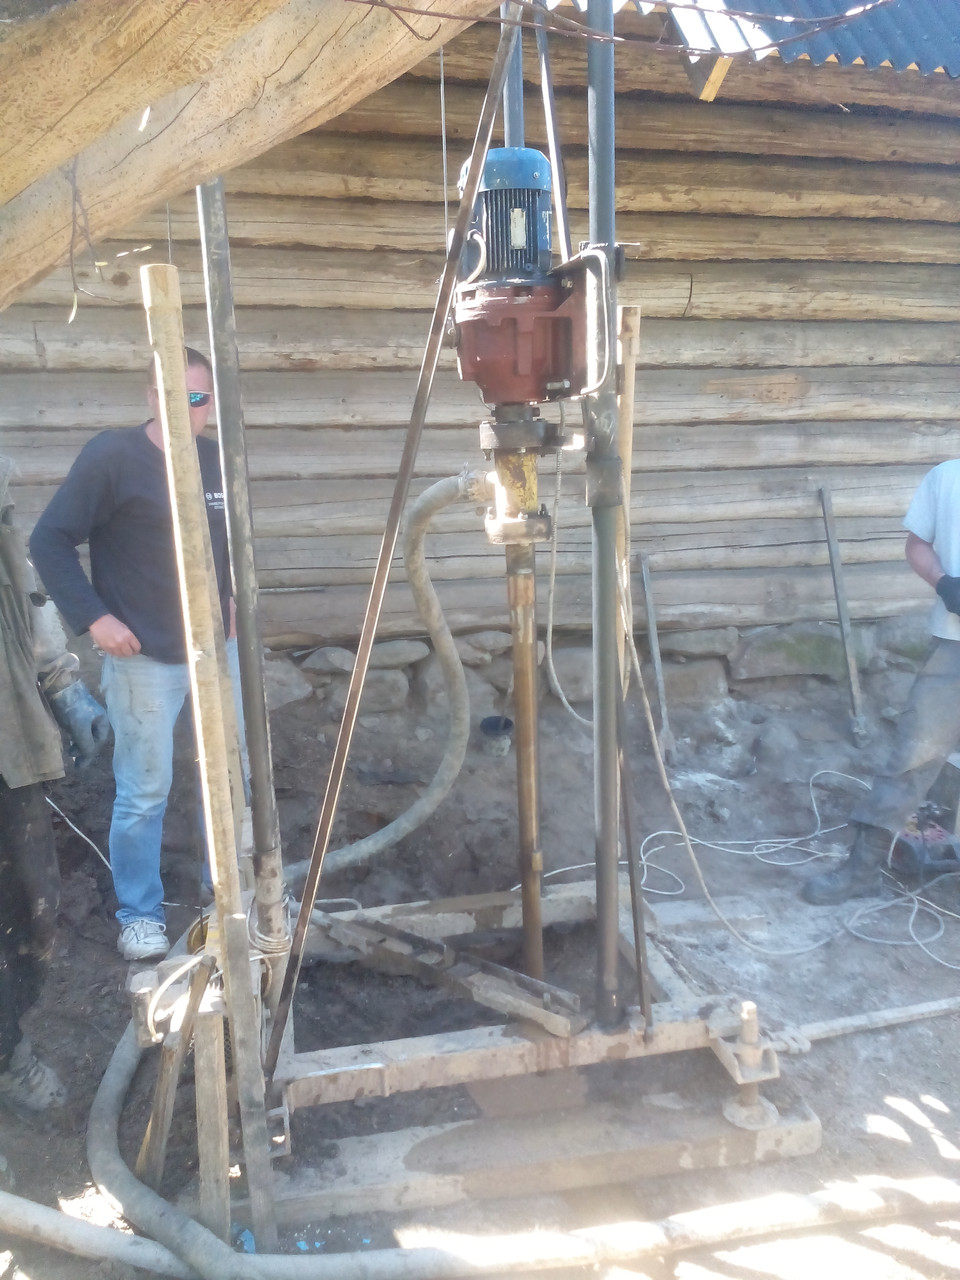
(29, 1083)
(859, 876)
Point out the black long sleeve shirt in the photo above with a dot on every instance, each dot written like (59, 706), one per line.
(116, 498)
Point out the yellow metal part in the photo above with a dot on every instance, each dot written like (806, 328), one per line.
(516, 491)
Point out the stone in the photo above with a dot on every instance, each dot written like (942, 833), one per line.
(284, 682)
(889, 689)
(397, 653)
(797, 649)
(718, 642)
(478, 648)
(382, 691)
(905, 637)
(776, 741)
(700, 683)
(330, 658)
(574, 667)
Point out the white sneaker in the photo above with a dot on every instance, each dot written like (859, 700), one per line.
(143, 940)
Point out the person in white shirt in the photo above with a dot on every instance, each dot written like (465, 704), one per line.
(929, 728)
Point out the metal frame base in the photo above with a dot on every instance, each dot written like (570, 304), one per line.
(583, 1146)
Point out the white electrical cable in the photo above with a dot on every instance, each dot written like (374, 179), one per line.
(671, 800)
(75, 828)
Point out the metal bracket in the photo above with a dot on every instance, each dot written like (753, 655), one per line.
(519, 530)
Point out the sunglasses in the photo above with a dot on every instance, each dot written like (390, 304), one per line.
(199, 398)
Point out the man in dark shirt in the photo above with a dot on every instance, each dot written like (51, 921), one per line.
(116, 498)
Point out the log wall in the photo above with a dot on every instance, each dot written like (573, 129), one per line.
(794, 248)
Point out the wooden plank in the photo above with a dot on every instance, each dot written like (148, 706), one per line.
(768, 81)
(485, 1053)
(213, 1139)
(369, 225)
(213, 719)
(401, 169)
(103, 339)
(670, 290)
(412, 107)
(594, 1145)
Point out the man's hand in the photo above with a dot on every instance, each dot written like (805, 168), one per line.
(83, 719)
(114, 637)
(948, 589)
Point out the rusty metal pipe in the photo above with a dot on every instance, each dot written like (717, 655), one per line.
(517, 474)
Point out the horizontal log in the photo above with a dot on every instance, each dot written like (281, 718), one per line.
(330, 561)
(411, 108)
(333, 166)
(370, 225)
(302, 340)
(334, 506)
(696, 599)
(369, 402)
(769, 81)
(390, 281)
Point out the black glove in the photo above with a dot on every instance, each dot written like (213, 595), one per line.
(948, 589)
(83, 719)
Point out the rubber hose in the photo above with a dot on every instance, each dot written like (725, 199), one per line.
(51, 1227)
(467, 487)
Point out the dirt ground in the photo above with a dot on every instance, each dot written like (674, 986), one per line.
(888, 1100)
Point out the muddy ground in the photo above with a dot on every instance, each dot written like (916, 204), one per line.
(888, 1100)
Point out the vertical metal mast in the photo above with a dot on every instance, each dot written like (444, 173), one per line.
(517, 474)
(513, 129)
(604, 498)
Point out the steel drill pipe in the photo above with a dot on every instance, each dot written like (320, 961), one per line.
(604, 497)
(517, 475)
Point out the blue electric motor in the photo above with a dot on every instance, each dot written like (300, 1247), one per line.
(509, 237)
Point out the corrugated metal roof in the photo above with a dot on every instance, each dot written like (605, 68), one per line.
(898, 33)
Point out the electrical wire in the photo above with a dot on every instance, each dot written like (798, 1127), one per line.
(73, 827)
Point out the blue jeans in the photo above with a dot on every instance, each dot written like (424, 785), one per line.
(144, 699)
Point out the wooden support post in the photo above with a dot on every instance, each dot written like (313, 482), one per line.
(206, 657)
(153, 1149)
(213, 1143)
(628, 344)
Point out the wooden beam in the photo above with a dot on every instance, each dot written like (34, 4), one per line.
(217, 750)
(283, 412)
(387, 168)
(103, 339)
(687, 600)
(385, 280)
(643, 125)
(67, 77)
(417, 228)
(297, 68)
